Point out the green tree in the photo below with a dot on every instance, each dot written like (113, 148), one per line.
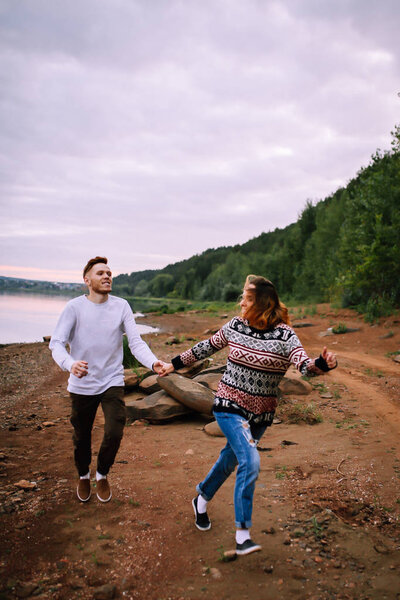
(161, 284)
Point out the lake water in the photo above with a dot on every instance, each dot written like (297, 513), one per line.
(29, 317)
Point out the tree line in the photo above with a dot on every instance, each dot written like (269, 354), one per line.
(343, 248)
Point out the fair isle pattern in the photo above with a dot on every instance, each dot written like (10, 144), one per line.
(219, 340)
(204, 348)
(256, 364)
(250, 381)
(254, 404)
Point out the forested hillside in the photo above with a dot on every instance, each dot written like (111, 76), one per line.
(344, 248)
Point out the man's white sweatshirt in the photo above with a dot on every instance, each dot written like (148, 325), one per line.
(94, 333)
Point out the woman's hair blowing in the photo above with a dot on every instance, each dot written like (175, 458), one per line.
(267, 311)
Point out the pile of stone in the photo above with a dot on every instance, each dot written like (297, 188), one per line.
(162, 399)
(158, 399)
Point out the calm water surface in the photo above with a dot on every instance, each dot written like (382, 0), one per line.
(29, 317)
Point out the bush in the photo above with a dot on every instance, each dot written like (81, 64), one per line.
(230, 292)
(378, 307)
(301, 413)
(340, 328)
(129, 361)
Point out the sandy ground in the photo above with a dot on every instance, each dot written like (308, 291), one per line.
(326, 508)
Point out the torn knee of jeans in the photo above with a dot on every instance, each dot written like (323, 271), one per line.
(248, 436)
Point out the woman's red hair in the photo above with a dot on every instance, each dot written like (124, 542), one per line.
(267, 311)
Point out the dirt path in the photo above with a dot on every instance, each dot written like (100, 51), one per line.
(327, 505)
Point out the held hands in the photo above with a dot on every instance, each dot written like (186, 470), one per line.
(167, 369)
(160, 367)
(330, 358)
(80, 368)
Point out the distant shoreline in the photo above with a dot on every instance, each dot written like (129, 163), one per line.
(45, 291)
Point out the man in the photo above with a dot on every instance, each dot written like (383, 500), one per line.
(93, 326)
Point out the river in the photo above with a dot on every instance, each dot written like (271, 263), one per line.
(28, 317)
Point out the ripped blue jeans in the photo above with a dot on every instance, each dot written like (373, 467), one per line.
(241, 450)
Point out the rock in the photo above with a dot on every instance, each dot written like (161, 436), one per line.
(156, 407)
(48, 424)
(326, 333)
(269, 531)
(133, 396)
(318, 559)
(215, 573)
(105, 592)
(47, 338)
(24, 590)
(210, 380)
(172, 340)
(396, 358)
(190, 393)
(299, 532)
(268, 568)
(299, 325)
(213, 429)
(195, 368)
(381, 548)
(287, 541)
(131, 379)
(149, 385)
(189, 452)
(210, 331)
(216, 369)
(23, 484)
(295, 385)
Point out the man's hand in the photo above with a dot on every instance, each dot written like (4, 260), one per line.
(80, 368)
(167, 369)
(329, 357)
(159, 366)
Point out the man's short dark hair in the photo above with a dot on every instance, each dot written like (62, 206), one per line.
(92, 262)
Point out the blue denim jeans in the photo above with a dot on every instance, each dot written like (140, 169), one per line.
(241, 450)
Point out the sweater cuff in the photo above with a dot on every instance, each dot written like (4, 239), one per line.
(323, 365)
(177, 363)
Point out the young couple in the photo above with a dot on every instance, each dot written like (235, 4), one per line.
(262, 345)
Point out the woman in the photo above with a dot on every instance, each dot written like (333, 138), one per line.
(262, 346)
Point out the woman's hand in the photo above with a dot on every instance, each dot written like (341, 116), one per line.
(330, 358)
(159, 366)
(167, 369)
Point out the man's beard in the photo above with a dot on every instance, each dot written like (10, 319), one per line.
(100, 290)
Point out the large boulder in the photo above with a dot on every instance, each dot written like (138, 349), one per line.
(213, 429)
(215, 369)
(156, 407)
(149, 385)
(131, 379)
(190, 393)
(210, 380)
(294, 385)
(195, 368)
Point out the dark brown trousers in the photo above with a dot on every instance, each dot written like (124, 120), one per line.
(84, 410)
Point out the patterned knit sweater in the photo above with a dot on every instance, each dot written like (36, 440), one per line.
(256, 363)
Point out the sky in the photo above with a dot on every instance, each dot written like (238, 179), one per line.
(151, 130)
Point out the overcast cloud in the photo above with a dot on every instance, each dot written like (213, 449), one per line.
(151, 130)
